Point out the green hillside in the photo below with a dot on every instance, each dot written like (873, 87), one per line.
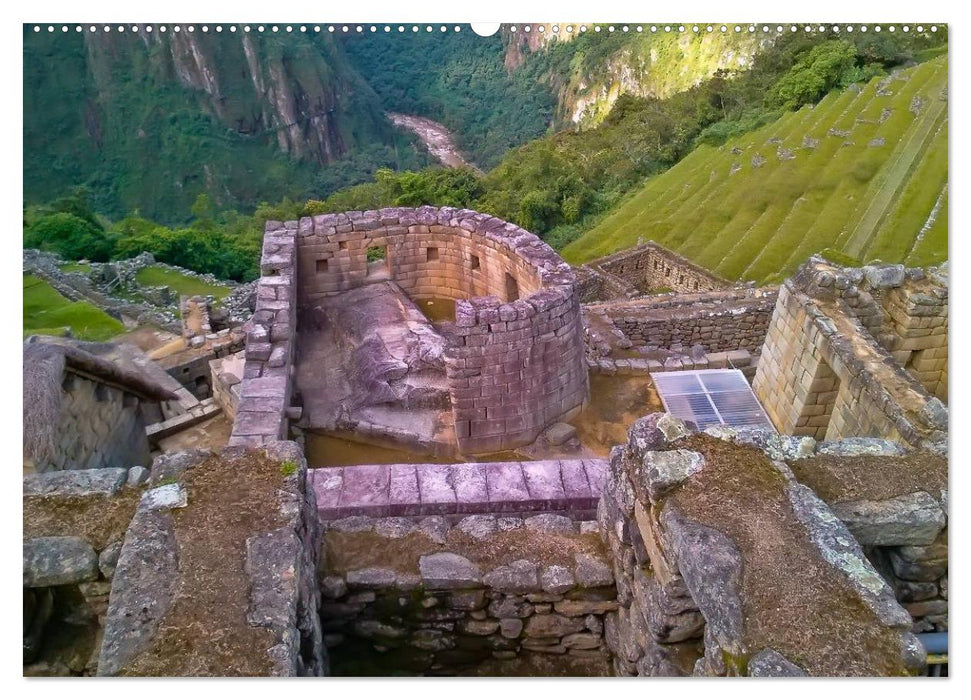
(863, 172)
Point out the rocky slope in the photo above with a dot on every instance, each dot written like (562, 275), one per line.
(602, 66)
(207, 110)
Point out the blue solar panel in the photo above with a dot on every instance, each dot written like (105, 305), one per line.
(710, 397)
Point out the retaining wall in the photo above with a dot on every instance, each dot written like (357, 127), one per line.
(483, 595)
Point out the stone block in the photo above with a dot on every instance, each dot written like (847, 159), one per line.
(58, 561)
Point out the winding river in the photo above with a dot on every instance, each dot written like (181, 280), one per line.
(437, 139)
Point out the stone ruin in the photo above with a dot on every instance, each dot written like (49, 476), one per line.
(858, 352)
(817, 550)
(512, 356)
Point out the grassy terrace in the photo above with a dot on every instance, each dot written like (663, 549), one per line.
(182, 284)
(747, 220)
(46, 312)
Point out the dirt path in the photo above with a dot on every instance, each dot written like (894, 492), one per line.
(437, 139)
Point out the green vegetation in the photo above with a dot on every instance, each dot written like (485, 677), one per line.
(226, 244)
(182, 284)
(288, 468)
(83, 268)
(860, 174)
(135, 122)
(582, 190)
(460, 80)
(46, 312)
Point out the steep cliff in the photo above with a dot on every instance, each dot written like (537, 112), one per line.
(590, 70)
(149, 120)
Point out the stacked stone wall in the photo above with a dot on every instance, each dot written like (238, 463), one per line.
(678, 580)
(822, 373)
(262, 413)
(99, 426)
(514, 361)
(650, 267)
(719, 321)
(68, 568)
(447, 607)
(917, 317)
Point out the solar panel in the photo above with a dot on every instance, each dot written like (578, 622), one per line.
(708, 397)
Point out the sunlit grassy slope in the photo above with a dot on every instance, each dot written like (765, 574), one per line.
(46, 312)
(868, 178)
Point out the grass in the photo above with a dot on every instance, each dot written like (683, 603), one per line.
(46, 312)
(76, 267)
(182, 284)
(840, 194)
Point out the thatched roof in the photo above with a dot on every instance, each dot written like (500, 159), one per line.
(44, 368)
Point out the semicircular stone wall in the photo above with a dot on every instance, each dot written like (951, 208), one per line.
(514, 362)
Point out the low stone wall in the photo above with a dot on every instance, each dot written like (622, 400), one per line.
(676, 362)
(514, 362)
(263, 411)
(226, 373)
(379, 490)
(483, 596)
(683, 584)
(720, 321)
(649, 267)
(74, 523)
(823, 373)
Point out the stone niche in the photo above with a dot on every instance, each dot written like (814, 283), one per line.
(514, 357)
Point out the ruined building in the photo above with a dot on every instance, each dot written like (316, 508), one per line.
(813, 542)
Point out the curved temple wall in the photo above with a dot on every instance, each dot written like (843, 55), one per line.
(514, 362)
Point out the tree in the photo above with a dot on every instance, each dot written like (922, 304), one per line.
(70, 237)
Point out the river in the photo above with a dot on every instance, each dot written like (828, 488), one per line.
(437, 139)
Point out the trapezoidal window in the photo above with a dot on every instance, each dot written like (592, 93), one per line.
(512, 288)
(322, 266)
(377, 262)
(431, 254)
(711, 397)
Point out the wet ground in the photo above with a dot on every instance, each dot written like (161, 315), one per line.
(330, 450)
(436, 309)
(616, 401)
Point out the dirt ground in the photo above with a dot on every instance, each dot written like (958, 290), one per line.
(210, 434)
(346, 551)
(615, 403)
(868, 477)
(97, 519)
(205, 632)
(793, 601)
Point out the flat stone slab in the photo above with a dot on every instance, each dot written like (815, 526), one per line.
(76, 482)
(447, 571)
(913, 519)
(57, 561)
(397, 490)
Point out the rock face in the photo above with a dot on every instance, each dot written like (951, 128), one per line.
(143, 589)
